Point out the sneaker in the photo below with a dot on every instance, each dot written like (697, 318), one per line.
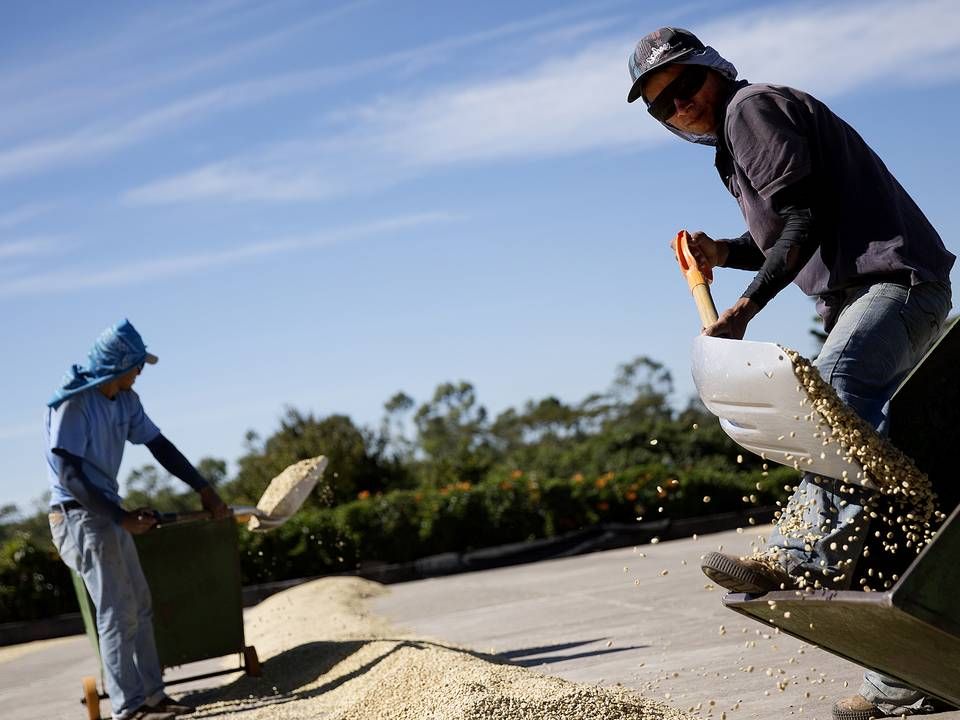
(855, 707)
(145, 712)
(169, 705)
(744, 575)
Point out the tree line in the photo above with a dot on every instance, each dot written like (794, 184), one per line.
(572, 463)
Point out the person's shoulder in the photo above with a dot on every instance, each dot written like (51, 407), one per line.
(130, 400)
(71, 414)
(73, 404)
(759, 94)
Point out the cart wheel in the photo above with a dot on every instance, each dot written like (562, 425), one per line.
(251, 663)
(91, 697)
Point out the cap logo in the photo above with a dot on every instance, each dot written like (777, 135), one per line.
(657, 53)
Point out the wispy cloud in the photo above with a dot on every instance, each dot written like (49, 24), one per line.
(19, 431)
(156, 268)
(96, 141)
(135, 60)
(24, 213)
(560, 107)
(570, 104)
(835, 48)
(104, 138)
(25, 247)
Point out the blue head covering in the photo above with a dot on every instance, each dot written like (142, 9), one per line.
(118, 350)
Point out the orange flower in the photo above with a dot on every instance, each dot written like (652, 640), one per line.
(630, 496)
(604, 479)
(363, 495)
(578, 478)
(516, 474)
(603, 506)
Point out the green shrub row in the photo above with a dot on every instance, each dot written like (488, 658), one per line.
(404, 525)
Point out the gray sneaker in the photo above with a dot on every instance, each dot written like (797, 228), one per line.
(745, 576)
(145, 712)
(169, 705)
(855, 707)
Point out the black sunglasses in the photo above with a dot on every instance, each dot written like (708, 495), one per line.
(683, 87)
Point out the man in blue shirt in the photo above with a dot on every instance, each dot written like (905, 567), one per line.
(88, 422)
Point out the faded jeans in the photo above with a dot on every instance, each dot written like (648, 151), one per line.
(881, 334)
(104, 555)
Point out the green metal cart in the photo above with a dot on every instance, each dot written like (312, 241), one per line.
(193, 569)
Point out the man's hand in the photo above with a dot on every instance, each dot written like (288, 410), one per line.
(732, 322)
(706, 252)
(137, 522)
(212, 503)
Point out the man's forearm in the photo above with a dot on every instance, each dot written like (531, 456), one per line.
(795, 246)
(741, 253)
(174, 462)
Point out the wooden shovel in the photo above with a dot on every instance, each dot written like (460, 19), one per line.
(282, 498)
(699, 281)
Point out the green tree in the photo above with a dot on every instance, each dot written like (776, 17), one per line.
(8, 516)
(452, 432)
(354, 463)
(393, 437)
(213, 470)
(148, 486)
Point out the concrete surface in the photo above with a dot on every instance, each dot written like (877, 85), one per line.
(607, 618)
(612, 617)
(42, 680)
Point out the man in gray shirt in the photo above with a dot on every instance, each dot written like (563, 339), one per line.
(824, 212)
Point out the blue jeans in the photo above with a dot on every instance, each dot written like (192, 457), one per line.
(104, 555)
(881, 334)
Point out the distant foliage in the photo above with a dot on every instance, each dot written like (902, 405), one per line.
(404, 525)
(437, 477)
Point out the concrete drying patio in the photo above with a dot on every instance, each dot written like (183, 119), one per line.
(614, 617)
(609, 617)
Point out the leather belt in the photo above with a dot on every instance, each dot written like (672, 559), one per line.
(68, 505)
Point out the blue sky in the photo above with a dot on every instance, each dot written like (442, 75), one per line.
(320, 204)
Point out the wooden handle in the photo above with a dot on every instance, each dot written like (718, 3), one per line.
(240, 514)
(705, 306)
(698, 281)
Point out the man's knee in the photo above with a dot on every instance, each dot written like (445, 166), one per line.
(118, 621)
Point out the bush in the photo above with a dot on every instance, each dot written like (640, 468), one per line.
(34, 583)
(506, 507)
(403, 525)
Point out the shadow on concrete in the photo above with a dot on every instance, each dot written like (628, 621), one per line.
(281, 678)
(526, 657)
(284, 674)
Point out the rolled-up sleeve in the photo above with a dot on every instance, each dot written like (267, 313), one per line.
(142, 430)
(70, 429)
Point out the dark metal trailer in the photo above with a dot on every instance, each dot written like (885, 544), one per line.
(912, 631)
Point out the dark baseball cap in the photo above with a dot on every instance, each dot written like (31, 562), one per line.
(659, 48)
